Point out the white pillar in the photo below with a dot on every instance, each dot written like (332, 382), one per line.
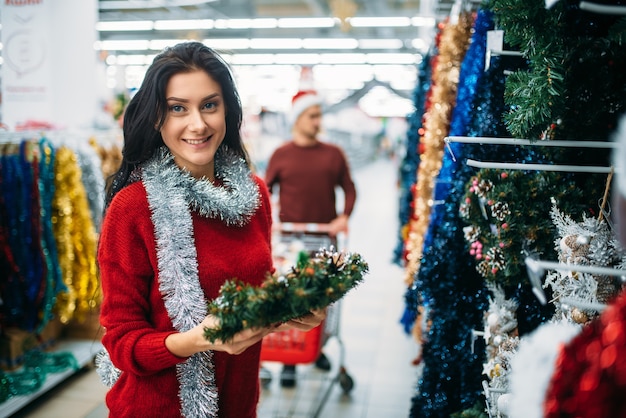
(49, 62)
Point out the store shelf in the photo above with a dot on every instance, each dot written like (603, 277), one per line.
(83, 350)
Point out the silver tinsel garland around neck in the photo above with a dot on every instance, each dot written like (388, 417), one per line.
(172, 194)
(234, 201)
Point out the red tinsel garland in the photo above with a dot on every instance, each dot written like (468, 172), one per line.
(589, 380)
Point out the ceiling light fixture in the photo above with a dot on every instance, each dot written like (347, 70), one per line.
(379, 22)
(275, 43)
(380, 44)
(160, 44)
(306, 22)
(129, 25)
(129, 45)
(419, 44)
(286, 59)
(184, 24)
(227, 43)
(250, 59)
(330, 43)
(261, 43)
(352, 58)
(296, 59)
(262, 23)
(391, 59)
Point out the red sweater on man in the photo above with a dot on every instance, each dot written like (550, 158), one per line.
(137, 322)
(307, 177)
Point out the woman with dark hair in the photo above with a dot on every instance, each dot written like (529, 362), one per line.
(184, 213)
(145, 114)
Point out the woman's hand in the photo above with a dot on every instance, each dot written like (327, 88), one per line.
(306, 322)
(187, 343)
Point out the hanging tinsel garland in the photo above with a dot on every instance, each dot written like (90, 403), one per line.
(313, 283)
(447, 281)
(76, 239)
(472, 68)
(54, 280)
(36, 251)
(571, 364)
(33, 373)
(419, 149)
(416, 317)
(589, 186)
(32, 277)
(453, 46)
(409, 164)
(436, 279)
(93, 180)
(408, 175)
(23, 251)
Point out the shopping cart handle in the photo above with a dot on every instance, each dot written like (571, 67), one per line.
(303, 227)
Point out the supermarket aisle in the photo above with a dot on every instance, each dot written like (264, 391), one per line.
(377, 353)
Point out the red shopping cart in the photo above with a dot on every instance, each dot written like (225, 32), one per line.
(298, 347)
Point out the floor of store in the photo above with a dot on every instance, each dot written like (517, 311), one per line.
(377, 354)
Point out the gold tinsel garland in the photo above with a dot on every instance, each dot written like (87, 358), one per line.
(110, 156)
(453, 45)
(76, 239)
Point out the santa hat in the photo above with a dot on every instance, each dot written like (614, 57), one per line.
(302, 101)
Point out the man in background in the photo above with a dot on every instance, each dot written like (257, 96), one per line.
(307, 172)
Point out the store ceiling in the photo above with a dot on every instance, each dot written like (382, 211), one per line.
(271, 86)
(155, 10)
(198, 9)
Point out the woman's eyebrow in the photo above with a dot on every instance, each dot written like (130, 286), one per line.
(178, 99)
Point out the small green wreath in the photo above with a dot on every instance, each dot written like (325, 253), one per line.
(313, 283)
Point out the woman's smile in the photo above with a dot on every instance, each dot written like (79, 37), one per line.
(196, 141)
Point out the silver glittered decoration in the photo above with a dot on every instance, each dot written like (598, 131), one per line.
(172, 194)
(234, 201)
(106, 370)
(91, 175)
(501, 339)
(589, 242)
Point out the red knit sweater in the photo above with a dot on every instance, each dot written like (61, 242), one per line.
(135, 318)
(307, 177)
